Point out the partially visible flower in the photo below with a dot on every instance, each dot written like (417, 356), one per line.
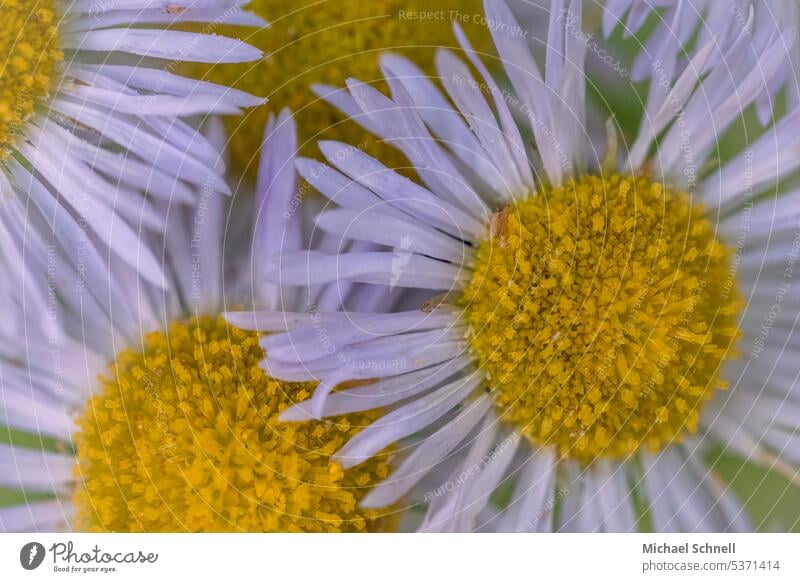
(311, 45)
(92, 130)
(156, 412)
(683, 25)
(590, 304)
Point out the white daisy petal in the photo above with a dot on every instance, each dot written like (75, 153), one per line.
(163, 44)
(528, 509)
(69, 233)
(272, 321)
(375, 226)
(152, 104)
(37, 516)
(34, 470)
(184, 137)
(500, 171)
(400, 191)
(427, 455)
(29, 410)
(449, 509)
(603, 503)
(510, 129)
(405, 421)
(118, 128)
(476, 498)
(115, 233)
(341, 99)
(159, 16)
(378, 394)
(399, 269)
(277, 222)
(318, 340)
(120, 168)
(399, 120)
(528, 83)
(673, 103)
(744, 93)
(166, 83)
(775, 155)
(445, 122)
(613, 12)
(616, 499)
(684, 500)
(342, 190)
(129, 134)
(92, 7)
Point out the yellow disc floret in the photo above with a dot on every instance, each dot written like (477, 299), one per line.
(29, 58)
(309, 42)
(602, 313)
(184, 436)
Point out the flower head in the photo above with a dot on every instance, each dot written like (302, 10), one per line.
(153, 411)
(311, 46)
(92, 128)
(586, 307)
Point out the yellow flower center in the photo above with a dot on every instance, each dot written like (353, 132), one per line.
(29, 58)
(602, 313)
(184, 436)
(326, 42)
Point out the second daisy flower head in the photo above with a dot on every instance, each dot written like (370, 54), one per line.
(152, 412)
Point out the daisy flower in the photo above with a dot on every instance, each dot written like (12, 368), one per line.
(681, 24)
(160, 418)
(92, 115)
(597, 319)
